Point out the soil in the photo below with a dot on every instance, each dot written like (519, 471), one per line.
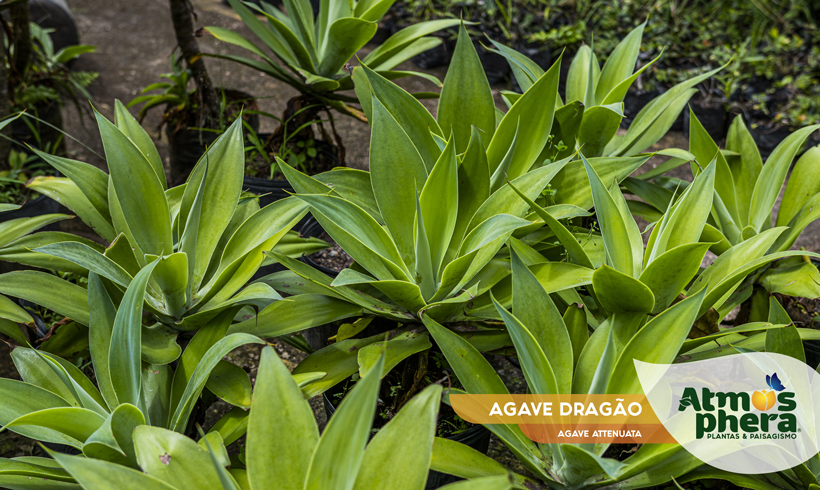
(333, 258)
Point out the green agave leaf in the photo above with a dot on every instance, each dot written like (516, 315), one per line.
(403, 38)
(478, 377)
(21, 251)
(669, 274)
(507, 201)
(159, 345)
(11, 311)
(156, 392)
(455, 458)
(200, 375)
(802, 185)
(598, 125)
(685, 221)
(15, 229)
(655, 119)
(473, 189)
(67, 193)
(773, 175)
(230, 383)
(620, 64)
(572, 183)
(657, 342)
(91, 181)
(395, 350)
(410, 115)
(94, 474)
(8, 207)
(348, 429)
(490, 230)
(124, 354)
(526, 71)
(102, 315)
(535, 110)
(339, 360)
(49, 291)
(801, 280)
(75, 422)
(405, 294)
(281, 425)
(784, 340)
(286, 317)
(233, 425)
(33, 473)
(582, 464)
(345, 37)
(439, 205)
(173, 458)
(21, 398)
(223, 186)
(466, 99)
(361, 236)
(171, 275)
(616, 228)
(706, 150)
(620, 293)
(272, 38)
(578, 76)
(85, 256)
(540, 376)
(746, 167)
(539, 318)
(404, 446)
(140, 194)
(129, 126)
(397, 170)
(113, 440)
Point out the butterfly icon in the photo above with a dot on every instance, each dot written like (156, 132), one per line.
(774, 382)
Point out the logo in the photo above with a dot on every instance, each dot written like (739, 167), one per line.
(718, 417)
(748, 413)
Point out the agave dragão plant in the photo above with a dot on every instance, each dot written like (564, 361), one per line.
(134, 384)
(650, 303)
(746, 193)
(284, 447)
(427, 224)
(202, 240)
(545, 349)
(316, 49)
(591, 113)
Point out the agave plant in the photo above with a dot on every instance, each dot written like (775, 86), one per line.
(316, 49)
(202, 241)
(650, 306)
(546, 347)
(746, 191)
(283, 446)
(133, 383)
(591, 113)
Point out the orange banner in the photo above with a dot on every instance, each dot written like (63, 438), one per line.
(568, 418)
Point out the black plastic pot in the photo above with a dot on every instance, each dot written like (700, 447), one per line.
(710, 114)
(51, 114)
(476, 437)
(55, 14)
(188, 145)
(36, 207)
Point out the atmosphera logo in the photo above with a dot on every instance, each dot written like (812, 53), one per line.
(750, 413)
(717, 413)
